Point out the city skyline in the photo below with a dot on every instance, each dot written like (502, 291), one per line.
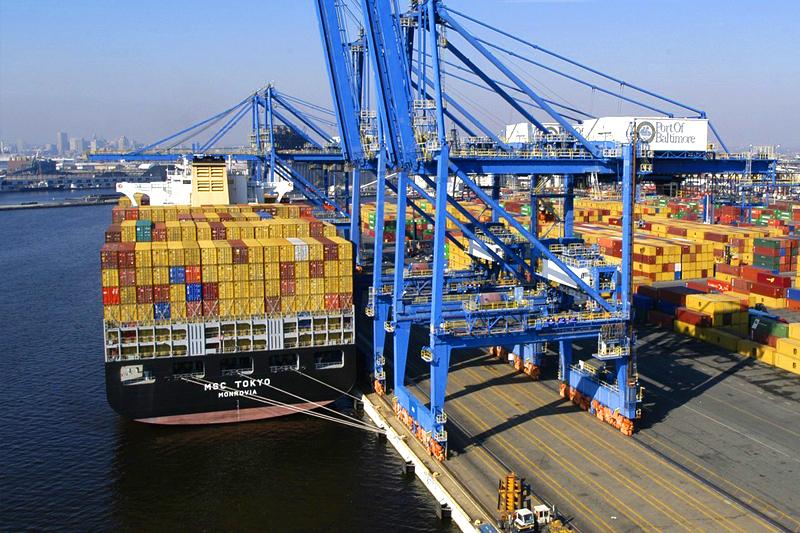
(703, 55)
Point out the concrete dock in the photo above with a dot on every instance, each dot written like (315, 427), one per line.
(717, 449)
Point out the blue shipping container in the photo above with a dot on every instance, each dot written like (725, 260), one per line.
(642, 302)
(161, 311)
(793, 294)
(194, 292)
(667, 307)
(177, 275)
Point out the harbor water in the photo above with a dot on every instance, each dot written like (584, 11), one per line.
(68, 462)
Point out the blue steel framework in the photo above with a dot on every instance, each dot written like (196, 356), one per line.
(524, 308)
(266, 107)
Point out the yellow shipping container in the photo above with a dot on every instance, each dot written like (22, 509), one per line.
(256, 271)
(110, 277)
(788, 347)
(246, 230)
(177, 293)
(227, 290)
(241, 307)
(317, 285)
(331, 269)
(272, 270)
(127, 312)
(160, 275)
(794, 331)
(256, 289)
(315, 249)
(224, 252)
(786, 362)
(191, 253)
(332, 285)
(241, 272)
(203, 231)
(316, 302)
(127, 295)
(232, 231)
(256, 306)
(286, 251)
(189, 231)
(177, 309)
(227, 308)
(287, 304)
(756, 350)
(111, 313)
(683, 327)
(255, 251)
(144, 312)
(175, 254)
(143, 254)
(225, 273)
(144, 276)
(302, 270)
(722, 339)
(345, 267)
(302, 286)
(208, 252)
(271, 250)
(209, 273)
(272, 288)
(346, 284)
(128, 231)
(173, 231)
(241, 290)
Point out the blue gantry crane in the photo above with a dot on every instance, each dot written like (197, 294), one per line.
(423, 139)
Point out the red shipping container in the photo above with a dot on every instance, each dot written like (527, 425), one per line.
(210, 291)
(127, 277)
(315, 227)
(114, 233)
(772, 279)
(330, 250)
(131, 213)
(218, 231)
(647, 290)
(767, 252)
(144, 294)
(699, 286)
(273, 304)
(240, 252)
(287, 287)
(332, 301)
(287, 271)
(750, 273)
(767, 290)
(676, 295)
(316, 269)
(793, 305)
(194, 274)
(225, 216)
(110, 295)
(194, 309)
(109, 256)
(184, 216)
(728, 269)
(690, 316)
(161, 294)
(127, 255)
(660, 319)
(117, 214)
(210, 307)
(718, 285)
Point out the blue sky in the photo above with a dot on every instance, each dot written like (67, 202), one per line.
(146, 69)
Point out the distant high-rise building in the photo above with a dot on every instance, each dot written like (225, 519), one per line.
(76, 144)
(93, 144)
(62, 143)
(20, 146)
(50, 149)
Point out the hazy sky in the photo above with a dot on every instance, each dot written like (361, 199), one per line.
(147, 69)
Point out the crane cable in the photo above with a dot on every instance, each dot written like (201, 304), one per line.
(356, 423)
(327, 385)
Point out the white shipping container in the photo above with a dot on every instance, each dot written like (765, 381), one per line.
(300, 249)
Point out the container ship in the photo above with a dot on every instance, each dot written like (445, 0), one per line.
(216, 312)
